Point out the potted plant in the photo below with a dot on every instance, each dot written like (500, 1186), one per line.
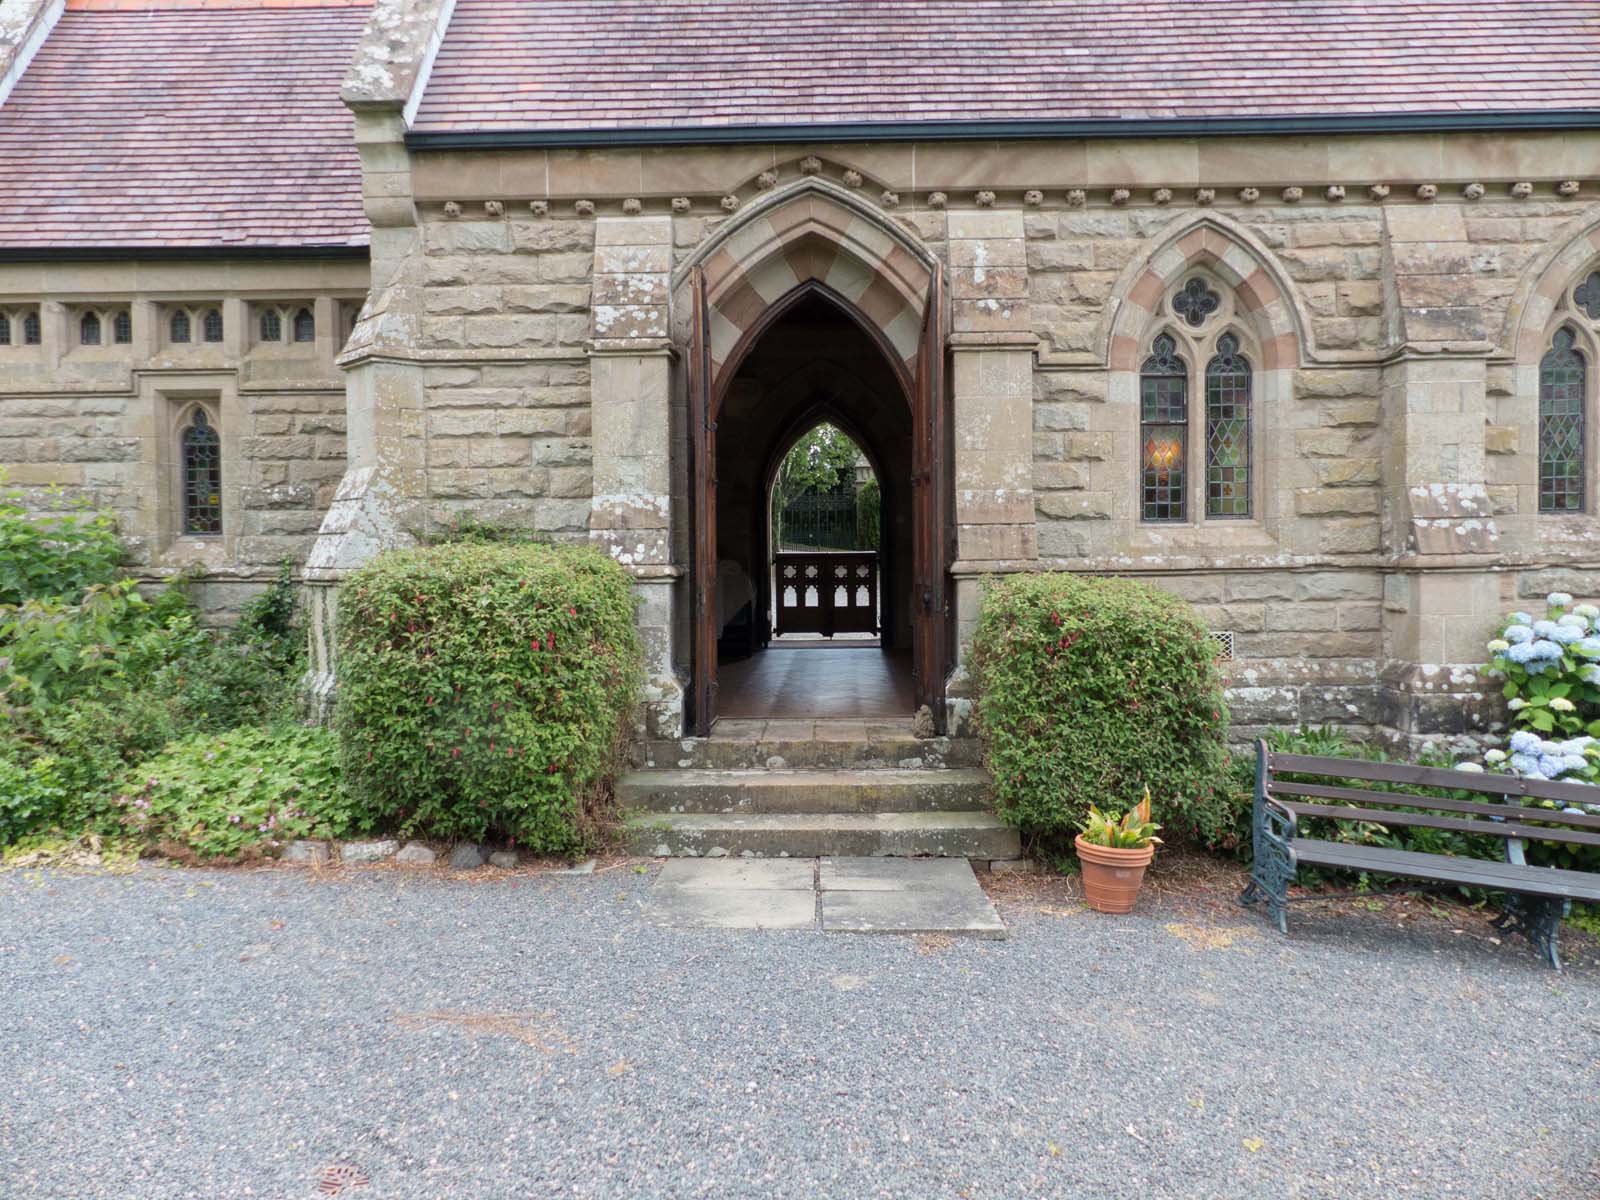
(1114, 851)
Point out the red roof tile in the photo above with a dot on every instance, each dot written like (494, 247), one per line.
(184, 123)
(594, 64)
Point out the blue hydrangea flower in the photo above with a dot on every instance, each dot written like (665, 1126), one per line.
(1521, 632)
(1546, 649)
(1574, 762)
(1524, 764)
(1558, 599)
(1591, 674)
(1576, 620)
(1524, 742)
(1566, 635)
(1590, 647)
(1550, 766)
(1544, 629)
(1522, 652)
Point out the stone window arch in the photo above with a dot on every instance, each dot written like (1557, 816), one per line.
(211, 325)
(200, 474)
(1564, 400)
(178, 328)
(89, 329)
(305, 326)
(270, 325)
(122, 327)
(32, 331)
(5, 329)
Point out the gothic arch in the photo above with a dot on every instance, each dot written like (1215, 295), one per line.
(1239, 262)
(812, 235)
(1530, 317)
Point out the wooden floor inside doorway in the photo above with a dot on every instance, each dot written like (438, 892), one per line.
(839, 681)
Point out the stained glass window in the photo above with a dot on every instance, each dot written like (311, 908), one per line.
(122, 328)
(1587, 295)
(1163, 432)
(89, 329)
(271, 326)
(305, 326)
(179, 326)
(211, 325)
(31, 333)
(1196, 302)
(1562, 379)
(1228, 431)
(202, 476)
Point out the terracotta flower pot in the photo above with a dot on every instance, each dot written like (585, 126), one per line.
(1112, 878)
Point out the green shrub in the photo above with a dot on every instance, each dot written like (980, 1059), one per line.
(57, 552)
(1091, 689)
(484, 690)
(240, 794)
(93, 682)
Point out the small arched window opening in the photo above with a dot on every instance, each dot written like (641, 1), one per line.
(211, 325)
(32, 334)
(122, 328)
(178, 327)
(305, 326)
(1228, 431)
(201, 452)
(271, 326)
(1563, 380)
(1163, 433)
(89, 329)
(5, 330)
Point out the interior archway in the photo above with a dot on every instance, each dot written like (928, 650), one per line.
(812, 363)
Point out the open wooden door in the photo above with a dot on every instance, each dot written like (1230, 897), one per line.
(702, 520)
(930, 477)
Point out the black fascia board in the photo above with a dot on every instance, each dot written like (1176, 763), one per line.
(1524, 120)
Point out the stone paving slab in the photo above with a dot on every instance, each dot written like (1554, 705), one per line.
(857, 895)
(895, 874)
(748, 874)
(964, 911)
(733, 908)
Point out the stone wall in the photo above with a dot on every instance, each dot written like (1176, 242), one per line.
(101, 423)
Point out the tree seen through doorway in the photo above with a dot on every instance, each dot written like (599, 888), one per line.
(825, 495)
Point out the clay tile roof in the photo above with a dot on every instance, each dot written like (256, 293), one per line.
(608, 64)
(185, 123)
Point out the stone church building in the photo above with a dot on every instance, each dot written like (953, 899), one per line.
(1293, 309)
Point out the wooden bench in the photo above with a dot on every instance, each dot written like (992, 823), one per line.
(1536, 898)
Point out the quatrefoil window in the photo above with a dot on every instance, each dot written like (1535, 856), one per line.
(1587, 297)
(1196, 302)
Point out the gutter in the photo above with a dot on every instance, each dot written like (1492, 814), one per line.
(1013, 130)
(55, 254)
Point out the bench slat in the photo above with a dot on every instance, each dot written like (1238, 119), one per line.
(1499, 829)
(1468, 872)
(1520, 812)
(1440, 777)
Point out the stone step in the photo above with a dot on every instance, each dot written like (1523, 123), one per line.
(890, 789)
(978, 835)
(891, 749)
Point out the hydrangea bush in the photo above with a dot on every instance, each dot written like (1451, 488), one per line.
(1551, 668)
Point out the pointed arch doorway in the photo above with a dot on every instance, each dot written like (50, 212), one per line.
(816, 254)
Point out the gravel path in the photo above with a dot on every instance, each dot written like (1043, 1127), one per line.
(231, 1034)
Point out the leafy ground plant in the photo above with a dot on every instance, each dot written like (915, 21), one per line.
(237, 795)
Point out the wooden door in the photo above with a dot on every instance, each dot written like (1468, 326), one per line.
(702, 520)
(930, 478)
